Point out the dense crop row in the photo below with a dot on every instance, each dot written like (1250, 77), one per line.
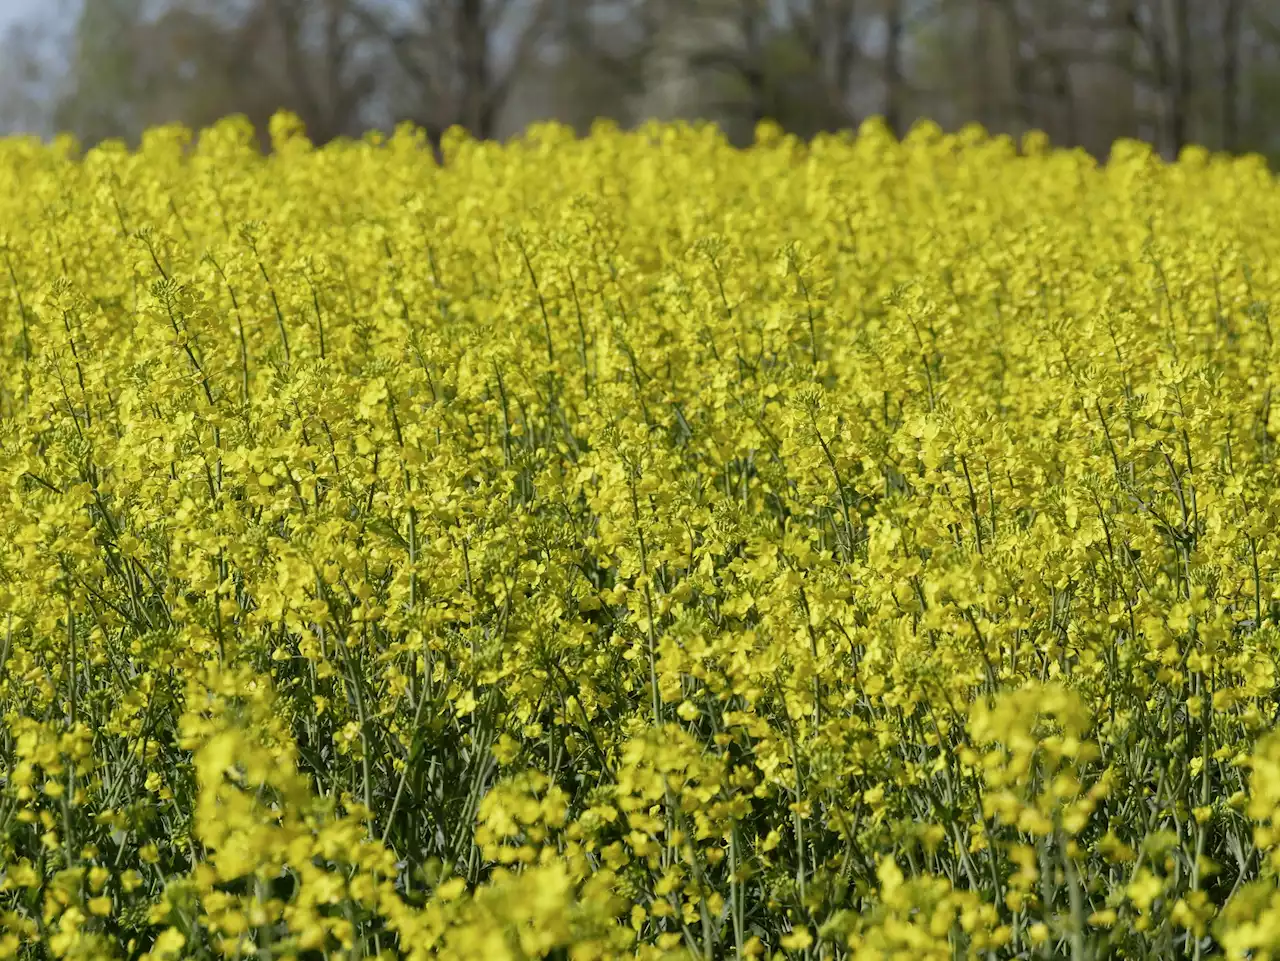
(633, 546)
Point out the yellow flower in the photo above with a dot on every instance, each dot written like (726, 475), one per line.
(1144, 889)
(797, 940)
(593, 543)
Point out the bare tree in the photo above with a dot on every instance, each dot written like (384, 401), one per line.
(460, 58)
(1086, 71)
(1047, 42)
(320, 44)
(616, 37)
(830, 32)
(1184, 77)
(602, 51)
(895, 30)
(744, 55)
(1162, 32)
(1020, 39)
(1232, 18)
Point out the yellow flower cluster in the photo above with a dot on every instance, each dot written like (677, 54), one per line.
(634, 547)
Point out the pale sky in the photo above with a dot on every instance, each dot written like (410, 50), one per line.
(11, 10)
(23, 101)
(57, 11)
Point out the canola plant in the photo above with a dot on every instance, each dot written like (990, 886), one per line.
(636, 547)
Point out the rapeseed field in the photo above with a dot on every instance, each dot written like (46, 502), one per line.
(635, 547)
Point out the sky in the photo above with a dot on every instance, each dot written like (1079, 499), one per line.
(23, 101)
(59, 13)
(11, 10)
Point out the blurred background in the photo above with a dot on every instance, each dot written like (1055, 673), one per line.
(1087, 72)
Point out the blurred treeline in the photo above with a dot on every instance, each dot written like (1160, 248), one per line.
(1086, 72)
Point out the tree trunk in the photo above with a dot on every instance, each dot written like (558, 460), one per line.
(1231, 16)
(1180, 118)
(473, 53)
(1065, 93)
(893, 69)
(1022, 65)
